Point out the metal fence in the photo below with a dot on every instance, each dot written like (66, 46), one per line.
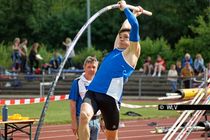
(138, 85)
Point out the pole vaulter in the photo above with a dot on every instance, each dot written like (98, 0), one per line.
(52, 88)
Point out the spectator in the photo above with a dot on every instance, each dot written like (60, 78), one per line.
(56, 60)
(208, 67)
(199, 66)
(187, 58)
(16, 55)
(4, 74)
(67, 44)
(148, 66)
(178, 69)
(34, 58)
(160, 66)
(24, 53)
(77, 93)
(172, 77)
(187, 73)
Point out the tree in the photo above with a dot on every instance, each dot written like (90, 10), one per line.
(200, 42)
(171, 18)
(152, 48)
(50, 21)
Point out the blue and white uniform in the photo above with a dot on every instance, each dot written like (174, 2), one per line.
(111, 75)
(105, 91)
(78, 90)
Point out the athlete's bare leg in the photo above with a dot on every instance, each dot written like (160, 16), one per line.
(86, 114)
(112, 135)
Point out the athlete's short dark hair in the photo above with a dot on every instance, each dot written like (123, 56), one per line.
(124, 30)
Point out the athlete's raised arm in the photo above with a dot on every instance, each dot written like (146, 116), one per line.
(132, 52)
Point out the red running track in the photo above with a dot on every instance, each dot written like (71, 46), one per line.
(133, 130)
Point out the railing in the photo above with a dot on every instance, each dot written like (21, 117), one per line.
(193, 116)
(138, 85)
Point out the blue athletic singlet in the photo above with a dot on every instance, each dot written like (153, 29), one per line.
(110, 77)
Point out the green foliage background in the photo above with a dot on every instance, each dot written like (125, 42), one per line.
(81, 56)
(176, 26)
(152, 48)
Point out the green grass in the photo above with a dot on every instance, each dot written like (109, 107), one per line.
(147, 113)
(59, 112)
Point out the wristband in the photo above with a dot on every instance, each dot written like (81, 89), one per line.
(134, 33)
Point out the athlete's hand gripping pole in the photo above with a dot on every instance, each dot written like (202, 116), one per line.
(148, 13)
